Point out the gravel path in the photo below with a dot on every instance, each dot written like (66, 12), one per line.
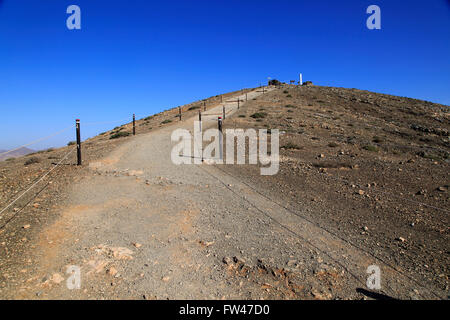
(141, 227)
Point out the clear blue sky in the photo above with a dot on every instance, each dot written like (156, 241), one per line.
(145, 56)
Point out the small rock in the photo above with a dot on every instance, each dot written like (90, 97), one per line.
(361, 192)
(26, 226)
(401, 239)
(111, 271)
(292, 263)
(57, 278)
(137, 245)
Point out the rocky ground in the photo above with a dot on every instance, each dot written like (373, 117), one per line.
(363, 180)
(22, 223)
(370, 168)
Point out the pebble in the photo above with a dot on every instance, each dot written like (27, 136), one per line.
(111, 271)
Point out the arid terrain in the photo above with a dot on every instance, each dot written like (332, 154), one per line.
(370, 168)
(363, 180)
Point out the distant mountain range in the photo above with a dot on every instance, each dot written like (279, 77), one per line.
(14, 154)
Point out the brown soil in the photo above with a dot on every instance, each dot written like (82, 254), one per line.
(372, 169)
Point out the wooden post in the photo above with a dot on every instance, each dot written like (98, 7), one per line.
(223, 111)
(134, 125)
(204, 105)
(238, 102)
(179, 112)
(77, 125)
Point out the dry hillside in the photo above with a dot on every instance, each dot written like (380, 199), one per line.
(370, 168)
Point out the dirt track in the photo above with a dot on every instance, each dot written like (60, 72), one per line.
(142, 227)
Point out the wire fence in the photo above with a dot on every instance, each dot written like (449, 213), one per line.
(38, 140)
(35, 183)
(295, 213)
(56, 165)
(78, 148)
(292, 211)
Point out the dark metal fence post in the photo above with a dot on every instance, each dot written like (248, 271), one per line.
(200, 119)
(179, 112)
(134, 125)
(219, 123)
(77, 125)
(223, 111)
(238, 102)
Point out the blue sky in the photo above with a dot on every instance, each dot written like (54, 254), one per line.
(145, 56)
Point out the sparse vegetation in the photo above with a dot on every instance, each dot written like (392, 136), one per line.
(332, 144)
(166, 121)
(290, 106)
(241, 116)
(32, 160)
(430, 156)
(291, 145)
(370, 148)
(71, 143)
(288, 96)
(259, 115)
(119, 135)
